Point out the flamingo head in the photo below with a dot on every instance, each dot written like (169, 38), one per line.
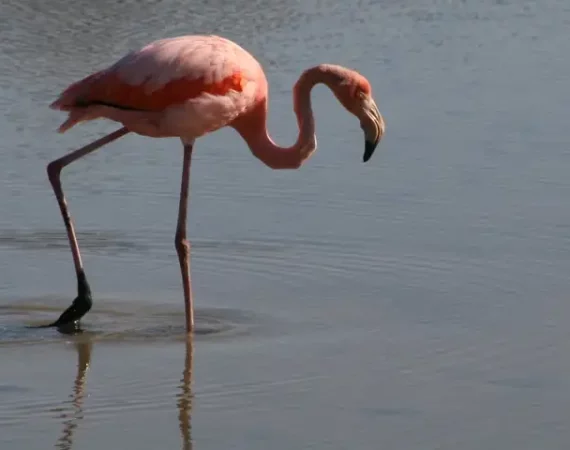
(353, 91)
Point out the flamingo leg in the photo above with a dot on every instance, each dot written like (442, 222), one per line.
(83, 302)
(180, 240)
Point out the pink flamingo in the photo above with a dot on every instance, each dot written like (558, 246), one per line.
(187, 87)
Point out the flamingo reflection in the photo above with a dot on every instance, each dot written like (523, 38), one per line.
(72, 418)
(74, 415)
(185, 397)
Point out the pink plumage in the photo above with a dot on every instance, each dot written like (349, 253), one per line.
(208, 79)
(186, 87)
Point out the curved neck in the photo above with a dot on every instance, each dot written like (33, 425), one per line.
(253, 127)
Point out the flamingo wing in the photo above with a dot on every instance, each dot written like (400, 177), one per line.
(170, 73)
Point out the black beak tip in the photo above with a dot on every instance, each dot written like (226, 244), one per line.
(369, 148)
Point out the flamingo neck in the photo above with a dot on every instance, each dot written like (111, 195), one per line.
(253, 127)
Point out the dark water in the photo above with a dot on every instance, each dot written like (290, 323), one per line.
(417, 302)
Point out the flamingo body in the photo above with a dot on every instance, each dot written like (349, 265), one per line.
(185, 86)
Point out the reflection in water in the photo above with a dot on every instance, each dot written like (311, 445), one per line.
(185, 397)
(75, 414)
(72, 418)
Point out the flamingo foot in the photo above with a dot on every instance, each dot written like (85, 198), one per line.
(79, 307)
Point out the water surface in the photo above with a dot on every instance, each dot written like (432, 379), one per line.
(416, 302)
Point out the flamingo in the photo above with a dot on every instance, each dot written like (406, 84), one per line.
(186, 87)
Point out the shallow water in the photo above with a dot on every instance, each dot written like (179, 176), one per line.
(419, 301)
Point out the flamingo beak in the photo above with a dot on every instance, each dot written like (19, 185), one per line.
(369, 148)
(373, 126)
